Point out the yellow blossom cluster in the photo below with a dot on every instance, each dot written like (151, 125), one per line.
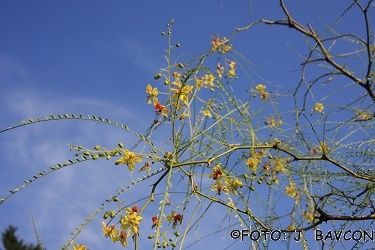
(318, 107)
(220, 45)
(364, 116)
(231, 184)
(152, 95)
(274, 123)
(291, 190)
(219, 70)
(232, 72)
(254, 160)
(130, 221)
(309, 216)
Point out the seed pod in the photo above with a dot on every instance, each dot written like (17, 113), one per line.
(97, 147)
(113, 214)
(151, 236)
(178, 45)
(121, 145)
(251, 188)
(157, 76)
(163, 33)
(115, 199)
(180, 65)
(108, 157)
(177, 234)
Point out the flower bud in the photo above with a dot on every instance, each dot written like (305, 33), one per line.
(157, 76)
(97, 147)
(163, 33)
(108, 157)
(180, 65)
(115, 199)
(177, 234)
(151, 236)
(120, 145)
(178, 45)
(106, 215)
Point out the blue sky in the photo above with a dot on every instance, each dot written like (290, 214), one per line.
(96, 58)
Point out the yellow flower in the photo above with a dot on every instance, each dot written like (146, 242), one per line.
(234, 185)
(80, 247)
(279, 164)
(207, 113)
(291, 189)
(209, 80)
(175, 218)
(323, 147)
(365, 116)
(176, 76)
(218, 187)
(129, 159)
(153, 92)
(160, 109)
(252, 163)
(219, 70)
(309, 217)
(183, 93)
(231, 73)
(110, 232)
(199, 82)
(318, 107)
(232, 64)
(260, 88)
(123, 238)
(131, 221)
(264, 96)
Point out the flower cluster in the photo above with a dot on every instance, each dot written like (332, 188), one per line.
(232, 72)
(128, 222)
(231, 184)
(220, 45)
(272, 122)
(318, 107)
(254, 160)
(291, 190)
(309, 217)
